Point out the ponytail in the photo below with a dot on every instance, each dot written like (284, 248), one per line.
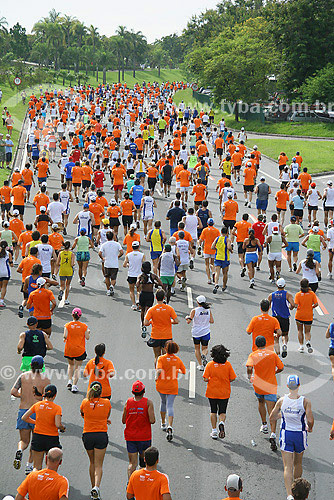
(95, 391)
(100, 349)
(309, 262)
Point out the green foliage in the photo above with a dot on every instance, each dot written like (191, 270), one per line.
(320, 86)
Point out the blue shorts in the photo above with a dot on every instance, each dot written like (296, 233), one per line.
(155, 255)
(317, 256)
(63, 151)
(83, 256)
(21, 424)
(27, 187)
(222, 263)
(137, 446)
(251, 257)
(293, 441)
(293, 246)
(172, 230)
(267, 397)
(41, 179)
(261, 204)
(140, 174)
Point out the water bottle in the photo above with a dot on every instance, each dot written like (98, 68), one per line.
(253, 443)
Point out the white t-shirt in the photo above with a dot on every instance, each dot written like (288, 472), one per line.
(330, 236)
(135, 259)
(45, 252)
(56, 209)
(110, 251)
(183, 246)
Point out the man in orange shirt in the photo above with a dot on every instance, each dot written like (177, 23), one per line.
(208, 236)
(41, 200)
(5, 195)
(86, 177)
(24, 239)
(19, 194)
(200, 191)
(219, 145)
(128, 207)
(265, 325)
(40, 300)
(76, 180)
(45, 483)
(282, 198)
(305, 180)
(42, 170)
(118, 174)
(237, 162)
(262, 367)
(97, 210)
(249, 181)
(230, 210)
(240, 231)
(183, 178)
(28, 179)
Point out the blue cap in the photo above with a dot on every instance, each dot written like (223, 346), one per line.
(83, 230)
(38, 361)
(292, 381)
(210, 222)
(86, 205)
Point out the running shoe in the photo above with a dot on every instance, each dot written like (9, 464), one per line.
(191, 264)
(258, 268)
(224, 288)
(54, 277)
(204, 360)
(215, 290)
(142, 463)
(301, 348)
(111, 290)
(249, 205)
(200, 368)
(69, 385)
(264, 428)
(209, 282)
(246, 203)
(199, 251)
(172, 291)
(330, 276)
(143, 332)
(60, 295)
(272, 441)
(169, 436)
(64, 231)
(20, 313)
(309, 347)
(284, 351)
(134, 307)
(252, 283)
(2, 303)
(75, 388)
(243, 272)
(83, 281)
(29, 468)
(17, 460)
(163, 426)
(214, 434)
(67, 302)
(294, 267)
(290, 269)
(221, 428)
(95, 493)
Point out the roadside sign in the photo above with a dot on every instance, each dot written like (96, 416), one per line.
(17, 80)
(194, 87)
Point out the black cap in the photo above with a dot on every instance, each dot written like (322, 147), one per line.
(32, 321)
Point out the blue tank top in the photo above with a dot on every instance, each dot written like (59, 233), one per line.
(203, 216)
(32, 284)
(331, 332)
(279, 304)
(137, 194)
(34, 343)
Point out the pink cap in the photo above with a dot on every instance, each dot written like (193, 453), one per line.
(77, 311)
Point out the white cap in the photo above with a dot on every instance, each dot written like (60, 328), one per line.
(16, 212)
(40, 281)
(280, 283)
(329, 183)
(43, 209)
(255, 147)
(233, 482)
(93, 198)
(43, 184)
(242, 128)
(249, 164)
(315, 229)
(133, 226)
(54, 226)
(113, 201)
(275, 230)
(201, 299)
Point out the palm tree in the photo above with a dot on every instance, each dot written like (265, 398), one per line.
(3, 24)
(94, 36)
(124, 44)
(138, 44)
(68, 23)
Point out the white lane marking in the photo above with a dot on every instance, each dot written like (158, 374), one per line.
(190, 297)
(319, 311)
(192, 379)
(159, 192)
(271, 177)
(321, 362)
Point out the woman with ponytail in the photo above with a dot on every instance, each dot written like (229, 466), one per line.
(251, 246)
(310, 269)
(100, 369)
(95, 410)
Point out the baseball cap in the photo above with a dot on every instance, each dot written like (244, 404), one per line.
(293, 218)
(249, 164)
(37, 360)
(293, 159)
(230, 195)
(105, 221)
(138, 386)
(242, 128)
(262, 178)
(43, 209)
(275, 229)
(54, 226)
(77, 311)
(329, 183)
(201, 299)
(292, 381)
(132, 176)
(135, 244)
(64, 154)
(40, 281)
(5, 224)
(233, 482)
(83, 230)
(168, 247)
(310, 252)
(315, 229)
(85, 205)
(255, 147)
(313, 184)
(16, 212)
(43, 184)
(133, 226)
(210, 221)
(32, 320)
(280, 282)
(93, 198)
(112, 201)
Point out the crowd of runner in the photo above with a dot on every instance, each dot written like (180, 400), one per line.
(138, 144)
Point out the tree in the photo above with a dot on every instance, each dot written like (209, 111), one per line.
(68, 25)
(320, 86)
(19, 41)
(158, 57)
(124, 45)
(138, 48)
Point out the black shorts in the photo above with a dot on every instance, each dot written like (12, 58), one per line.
(304, 322)
(198, 203)
(85, 184)
(176, 151)
(127, 220)
(229, 223)
(279, 210)
(240, 248)
(44, 324)
(77, 184)
(201, 340)
(237, 167)
(284, 324)
(77, 358)
(331, 351)
(5, 207)
(311, 207)
(96, 226)
(328, 209)
(131, 280)
(151, 182)
(248, 189)
(114, 221)
(42, 442)
(111, 272)
(219, 151)
(313, 286)
(298, 213)
(20, 208)
(146, 299)
(117, 140)
(157, 342)
(97, 440)
(281, 167)
(46, 275)
(218, 405)
(168, 181)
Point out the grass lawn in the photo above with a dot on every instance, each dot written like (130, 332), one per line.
(285, 128)
(317, 155)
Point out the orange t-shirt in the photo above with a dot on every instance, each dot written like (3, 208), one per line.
(75, 343)
(42, 168)
(128, 240)
(26, 265)
(5, 193)
(236, 159)
(152, 172)
(24, 238)
(18, 193)
(17, 226)
(86, 172)
(249, 176)
(56, 240)
(118, 174)
(263, 325)
(208, 235)
(27, 175)
(103, 369)
(184, 178)
(304, 303)
(220, 376)
(16, 177)
(76, 175)
(40, 300)
(242, 227)
(45, 417)
(170, 366)
(114, 211)
(127, 207)
(264, 363)
(96, 412)
(305, 180)
(139, 143)
(219, 143)
(160, 317)
(45, 483)
(199, 191)
(97, 211)
(231, 209)
(146, 485)
(40, 200)
(282, 197)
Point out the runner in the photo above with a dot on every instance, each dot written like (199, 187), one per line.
(262, 367)
(305, 301)
(240, 231)
(145, 283)
(83, 244)
(110, 253)
(147, 209)
(293, 232)
(75, 335)
(281, 304)
(41, 300)
(100, 369)
(276, 241)
(202, 318)
(167, 369)
(183, 247)
(207, 236)
(266, 326)
(297, 421)
(167, 265)
(251, 245)
(330, 239)
(330, 335)
(65, 268)
(32, 343)
(133, 261)
(328, 197)
(157, 238)
(223, 248)
(310, 269)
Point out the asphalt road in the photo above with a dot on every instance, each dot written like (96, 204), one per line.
(196, 465)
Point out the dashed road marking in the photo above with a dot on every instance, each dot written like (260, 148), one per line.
(192, 381)
(190, 297)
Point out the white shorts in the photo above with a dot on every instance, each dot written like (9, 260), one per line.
(183, 267)
(148, 217)
(275, 256)
(208, 256)
(185, 189)
(177, 185)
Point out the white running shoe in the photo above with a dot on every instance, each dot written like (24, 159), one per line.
(163, 426)
(264, 428)
(75, 388)
(95, 493)
(301, 348)
(200, 368)
(214, 434)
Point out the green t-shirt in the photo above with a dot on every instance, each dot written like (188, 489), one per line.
(314, 242)
(162, 124)
(83, 244)
(293, 231)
